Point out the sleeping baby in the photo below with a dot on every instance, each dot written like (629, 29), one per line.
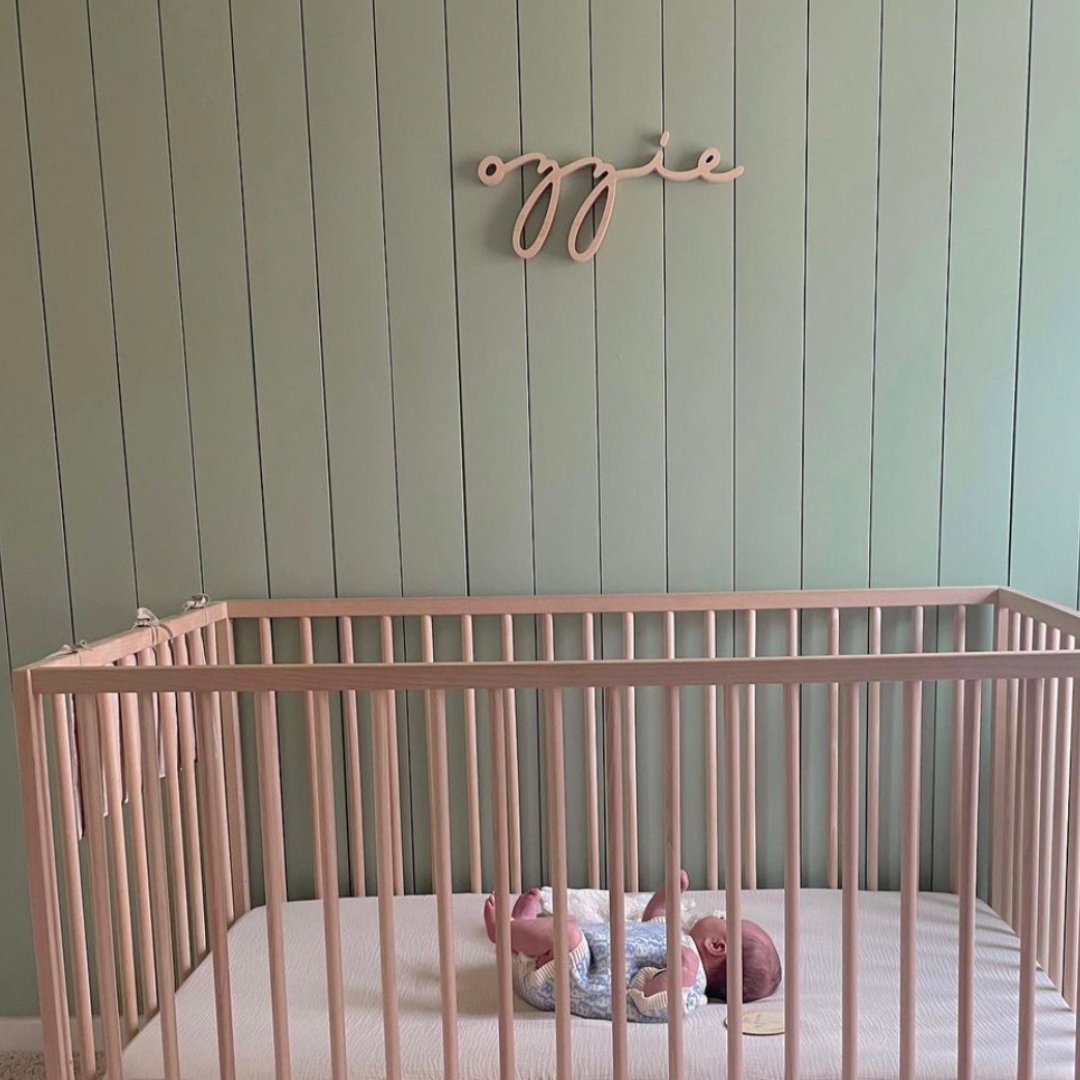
(588, 940)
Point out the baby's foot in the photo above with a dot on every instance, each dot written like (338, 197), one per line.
(528, 905)
(658, 902)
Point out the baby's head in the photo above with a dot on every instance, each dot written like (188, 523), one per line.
(761, 961)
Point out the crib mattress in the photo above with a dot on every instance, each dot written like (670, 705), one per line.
(996, 1000)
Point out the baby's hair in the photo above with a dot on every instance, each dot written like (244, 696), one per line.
(762, 970)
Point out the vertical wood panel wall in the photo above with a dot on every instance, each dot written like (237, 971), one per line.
(262, 331)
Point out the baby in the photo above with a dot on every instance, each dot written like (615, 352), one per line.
(704, 959)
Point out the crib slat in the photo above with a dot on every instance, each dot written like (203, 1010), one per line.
(733, 884)
(1013, 756)
(959, 644)
(1059, 851)
(712, 787)
(221, 641)
(386, 640)
(999, 721)
(472, 765)
(968, 829)
(1026, 717)
(69, 848)
(850, 1026)
(792, 868)
(750, 763)
(382, 723)
(512, 783)
(873, 762)
(218, 883)
(673, 861)
(140, 858)
(88, 729)
(109, 718)
(185, 724)
(307, 656)
(353, 787)
(616, 872)
(1029, 912)
(439, 796)
(41, 873)
(629, 716)
(165, 985)
(832, 804)
(273, 844)
(909, 875)
(1072, 903)
(327, 827)
(499, 814)
(168, 735)
(592, 786)
(1048, 722)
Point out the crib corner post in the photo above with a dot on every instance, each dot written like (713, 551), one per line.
(41, 874)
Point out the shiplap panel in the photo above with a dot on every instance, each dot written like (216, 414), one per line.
(560, 323)
(841, 239)
(201, 105)
(1046, 484)
(913, 249)
(770, 141)
(126, 41)
(627, 97)
(980, 344)
(699, 298)
(34, 598)
(274, 154)
(61, 116)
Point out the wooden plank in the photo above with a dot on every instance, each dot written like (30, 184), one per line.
(494, 365)
(201, 104)
(276, 171)
(841, 236)
(770, 123)
(66, 171)
(339, 40)
(913, 235)
(1045, 539)
(989, 124)
(412, 81)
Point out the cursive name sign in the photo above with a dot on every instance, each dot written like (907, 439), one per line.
(493, 170)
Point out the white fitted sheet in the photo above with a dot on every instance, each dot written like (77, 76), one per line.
(996, 1000)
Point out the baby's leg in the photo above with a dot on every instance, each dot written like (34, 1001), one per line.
(658, 903)
(531, 934)
(659, 982)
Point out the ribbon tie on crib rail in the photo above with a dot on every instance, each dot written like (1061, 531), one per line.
(198, 600)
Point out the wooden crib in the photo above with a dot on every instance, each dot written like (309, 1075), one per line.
(151, 767)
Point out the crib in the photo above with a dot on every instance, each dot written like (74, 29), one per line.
(256, 831)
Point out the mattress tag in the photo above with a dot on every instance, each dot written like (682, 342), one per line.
(762, 1022)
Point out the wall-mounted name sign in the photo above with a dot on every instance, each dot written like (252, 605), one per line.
(493, 170)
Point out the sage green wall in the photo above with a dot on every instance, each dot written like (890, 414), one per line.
(262, 332)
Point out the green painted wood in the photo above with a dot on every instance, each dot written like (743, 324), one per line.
(627, 97)
(841, 235)
(411, 59)
(35, 612)
(560, 300)
(984, 270)
(78, 307)
(1046, 486)
(201, 103)
(274, 155)
(770, 125)
(699, 298)
(126, 41)
(916, 124)
(494, 356)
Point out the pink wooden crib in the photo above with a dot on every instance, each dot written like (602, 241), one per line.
(151, 772)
